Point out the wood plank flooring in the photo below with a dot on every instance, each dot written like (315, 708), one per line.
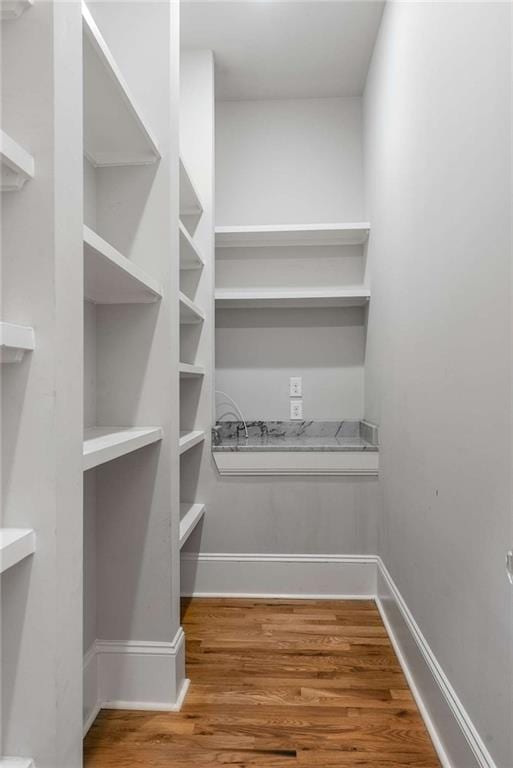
(276, 684)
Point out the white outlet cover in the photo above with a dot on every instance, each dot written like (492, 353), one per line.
(296, 410)
(295, 386)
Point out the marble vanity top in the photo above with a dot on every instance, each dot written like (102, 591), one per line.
(295, 436)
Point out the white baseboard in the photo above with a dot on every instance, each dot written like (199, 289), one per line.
(344, 577)
(279, 576)
(134, 675)
(454, 735)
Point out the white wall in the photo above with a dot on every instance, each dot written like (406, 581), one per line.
(437, 154)
(290, 161)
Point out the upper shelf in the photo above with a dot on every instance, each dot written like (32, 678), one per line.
(190, 257)
(115, 132)
(259, 298)
(292, 234)
(190, 204)
(15, 340)
(12, 9)
(111, 278)
(17, 164)
(102, 444)
(15, 545)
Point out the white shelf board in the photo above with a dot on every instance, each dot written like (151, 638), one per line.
(15, 340)
(102, 444)
(12, 9)
(17, 164)
(16, 762)
(190, 257)
(15, 545)
(111, 278)
(276, 463)
(115, 132)
(188, 439)
(351, 296)
(187, 370)
(190, 204)
(189, 312)
(190, 515)
(292, 234)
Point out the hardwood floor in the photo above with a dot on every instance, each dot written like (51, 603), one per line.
(276, 684)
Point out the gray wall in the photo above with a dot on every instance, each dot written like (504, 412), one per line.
(282, 162)
(290, 161)
(437, 149)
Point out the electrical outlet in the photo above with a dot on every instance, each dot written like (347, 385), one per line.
(296, 386)
(296, 410)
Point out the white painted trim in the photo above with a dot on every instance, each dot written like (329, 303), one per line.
(152, 706)
(147, 674)
(477, 749)
(338, 577)
(276, 463)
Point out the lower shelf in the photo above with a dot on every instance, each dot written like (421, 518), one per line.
(297, 462)
(15, 545)
(190, 515)
(188, 439)
(16, 762)
(102, 444)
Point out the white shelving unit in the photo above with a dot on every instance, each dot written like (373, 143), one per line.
(103, 444)
(190, 257)
(17, 164)
(190, 516)
(15, 340)
(263, 298)
(13, 9)
(190, 314)
(187, 370)
(15, 544)
(115, 132)
(190, 438)
(292, 235)
(111, 278)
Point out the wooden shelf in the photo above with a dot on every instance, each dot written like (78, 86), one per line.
(188, 439)
(13, 9)
(302, 298)
(111, 278)
(190, 515)
(188, 371)
(102, 444)
(190, 257)
(17, 164)
(15, 340)
(15, 545)
(190, 204)
(190, 314)
(292, 234)
(115, 132)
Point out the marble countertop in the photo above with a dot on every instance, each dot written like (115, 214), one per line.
(295, 436)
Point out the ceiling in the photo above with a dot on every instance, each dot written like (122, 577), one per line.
(271, 49)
